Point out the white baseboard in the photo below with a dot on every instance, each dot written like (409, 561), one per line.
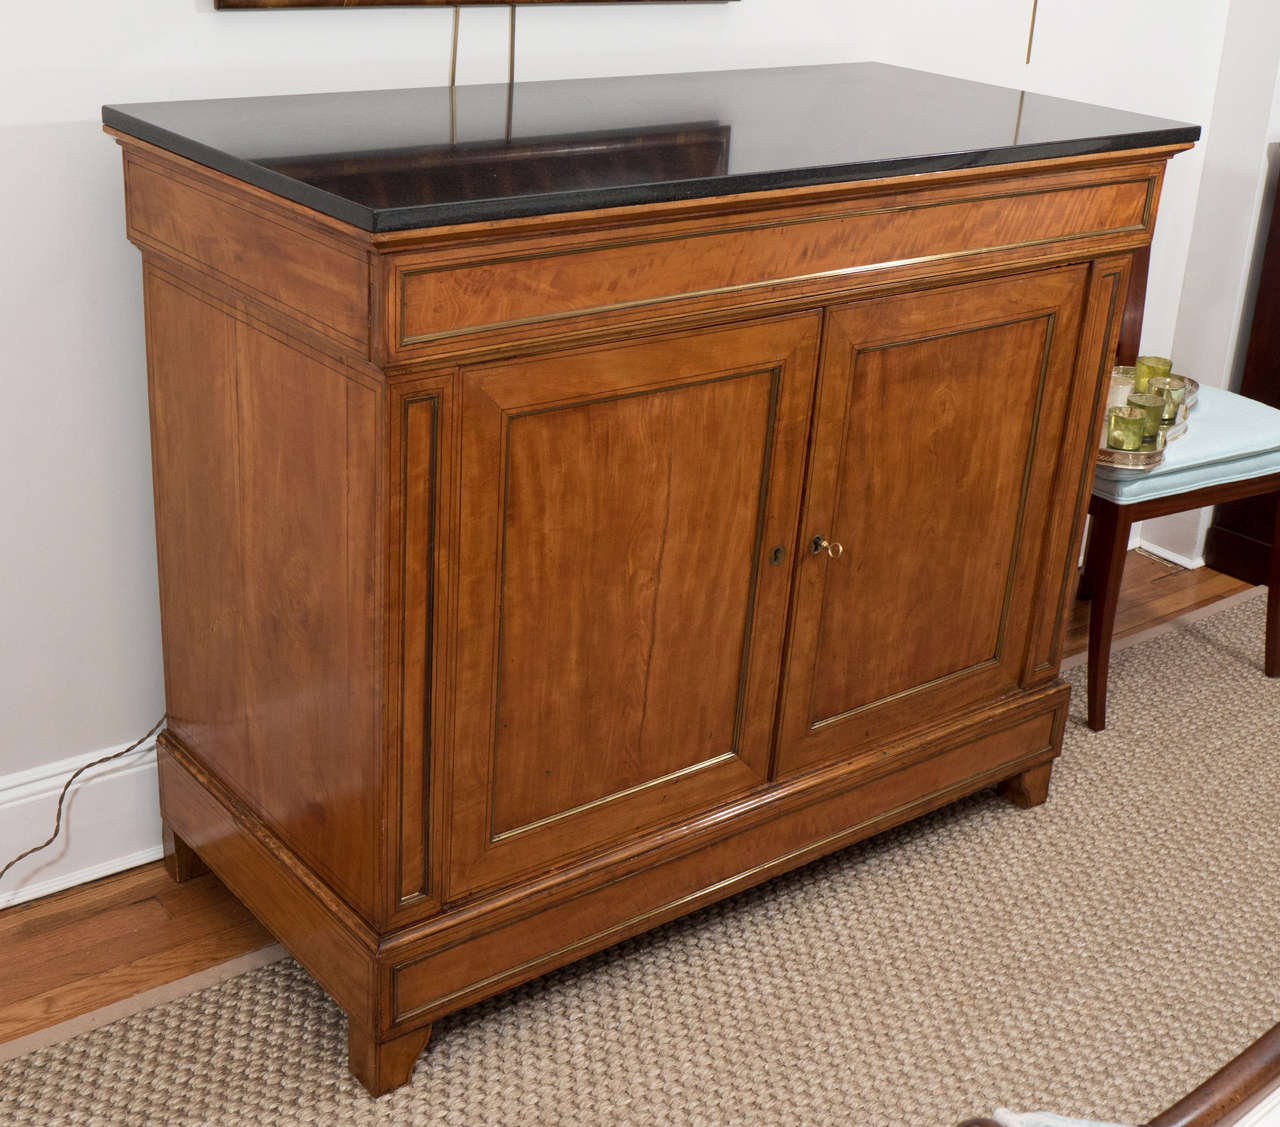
(110, 822)
(1189, 562)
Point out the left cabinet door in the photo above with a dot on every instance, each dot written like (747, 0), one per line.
(628, 527)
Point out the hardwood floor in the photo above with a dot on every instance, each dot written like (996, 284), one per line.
(82, 949)
(100, 943)
(1153, 591)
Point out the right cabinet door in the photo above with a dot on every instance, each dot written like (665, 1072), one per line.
(941, 416)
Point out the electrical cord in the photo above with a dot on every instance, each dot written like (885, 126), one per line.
(57, 824)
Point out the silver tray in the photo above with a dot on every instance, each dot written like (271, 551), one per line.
(1130, 459)
(1193, 393)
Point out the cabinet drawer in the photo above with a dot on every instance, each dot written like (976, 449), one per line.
(533, 285)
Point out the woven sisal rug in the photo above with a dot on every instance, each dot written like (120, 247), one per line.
(1099, 956)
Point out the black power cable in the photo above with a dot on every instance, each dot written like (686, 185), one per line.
(57, 825)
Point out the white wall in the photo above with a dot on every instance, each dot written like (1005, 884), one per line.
(80, 663)
(1215, 306)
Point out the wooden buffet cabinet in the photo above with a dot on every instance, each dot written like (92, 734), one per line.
(527, 582)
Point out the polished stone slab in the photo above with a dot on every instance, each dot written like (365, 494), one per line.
(390, 160)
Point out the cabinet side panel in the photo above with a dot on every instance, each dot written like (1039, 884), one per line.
(192, 373)
(266, 518)
(307, 471)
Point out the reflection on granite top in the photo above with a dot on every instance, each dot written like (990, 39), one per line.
(390, 160)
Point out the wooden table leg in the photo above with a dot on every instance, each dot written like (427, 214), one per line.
(1089, 573)
(1111, 524)
(383, 1065)
(1271, 664)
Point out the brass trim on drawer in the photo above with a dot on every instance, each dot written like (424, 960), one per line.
(402, 276)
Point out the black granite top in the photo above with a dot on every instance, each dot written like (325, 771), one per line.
(389, 160)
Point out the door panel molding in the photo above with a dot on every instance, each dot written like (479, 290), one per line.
(629, 511)
(917, 402)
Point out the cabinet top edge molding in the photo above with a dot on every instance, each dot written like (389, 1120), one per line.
(397, 160)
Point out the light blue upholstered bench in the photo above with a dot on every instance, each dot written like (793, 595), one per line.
(1231, 450)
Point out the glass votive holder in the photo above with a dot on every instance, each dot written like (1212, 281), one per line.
(1152, 406)
(1122, 386)
(1148, 366)
(1126, 427)
(1174, 390)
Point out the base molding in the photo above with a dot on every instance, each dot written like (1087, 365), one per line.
(395, 982)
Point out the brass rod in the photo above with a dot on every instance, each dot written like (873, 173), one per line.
(1031, 35)
(511, 71)
(453, 56)
(453, 80)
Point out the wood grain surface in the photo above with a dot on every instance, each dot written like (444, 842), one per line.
(492, 625)
(622, 623)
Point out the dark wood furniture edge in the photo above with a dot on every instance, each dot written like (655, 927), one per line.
(1104, 567)
(1237, 554)
(1246, 1076)
(1134, 306)
(1238, 538)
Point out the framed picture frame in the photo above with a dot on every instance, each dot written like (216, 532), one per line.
(251, 4)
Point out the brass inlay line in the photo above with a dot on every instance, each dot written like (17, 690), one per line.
(794, 221)
(422, 338)
(511, 71)
(743, 287)
(901, 694)
(671, 776)
(1149, 208)
(453, 79)
(1031, 34)
(432, 404)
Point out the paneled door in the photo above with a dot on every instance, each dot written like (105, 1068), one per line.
(628, 527)
(940, 418)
